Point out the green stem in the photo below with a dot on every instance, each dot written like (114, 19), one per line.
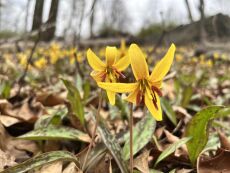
(131, 137)
(94, 130)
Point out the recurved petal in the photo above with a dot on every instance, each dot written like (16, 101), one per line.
(97, 75)
(163, 66)
(122, 63)
(94, 61)
(138, 62)
(156, 113)
(118, 87)
(132, 97)
(111, 97)
(111, 54)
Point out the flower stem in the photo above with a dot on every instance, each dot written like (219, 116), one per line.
(131, 137)
(94, 129)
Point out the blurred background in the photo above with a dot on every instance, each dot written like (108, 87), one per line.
(73, 20)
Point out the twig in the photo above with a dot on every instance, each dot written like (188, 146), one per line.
(131, 137)
(21, 79)
(94, 130)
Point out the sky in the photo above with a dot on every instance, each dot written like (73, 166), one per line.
(141, 13)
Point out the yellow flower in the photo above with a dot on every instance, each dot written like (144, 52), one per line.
(123, 49)
(216, 55)
(146, 89)
(179, 57)
(41, 63)
(108, 71)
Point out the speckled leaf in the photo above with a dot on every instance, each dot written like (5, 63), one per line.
(41, 160)
(56, 133)
(167, 108)
(142, 134)
(75, 100)
(95, 156)
(171, 149)
(113, 146)
(198, 130)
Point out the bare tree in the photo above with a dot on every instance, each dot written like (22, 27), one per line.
(202, 21)
(27, 14)
(38, 11)
(91, 22)
(189, 11)
(50, 32)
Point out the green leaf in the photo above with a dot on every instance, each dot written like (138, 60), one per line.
(167, 108)
(86, 89)
(56, 133)
(186, 96)
(154, 171)
(198, 130)
(171, 149)
(95, 156)
(142, 134)
(113, 146)
(41, 160)
(173, 171)
(5, 88)
(54, 119)
(75, 100)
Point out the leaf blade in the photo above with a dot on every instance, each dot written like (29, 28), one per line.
(56, 133)
(41, 160)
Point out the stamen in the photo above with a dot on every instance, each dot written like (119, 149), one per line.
(157, 90)
(139, 97)
(155, 105)
(120, 74)
(154, 97)
(103, 76)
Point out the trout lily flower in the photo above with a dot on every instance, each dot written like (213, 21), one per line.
(147, 87)
(109, 71)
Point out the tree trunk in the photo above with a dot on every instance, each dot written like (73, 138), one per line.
(37, 20)
(51, 22)
(91, 22)
(27, 14)
(189, 11)
(202, 17)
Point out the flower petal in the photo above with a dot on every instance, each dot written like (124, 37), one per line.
(111, 97)
(157, 114)
(138, 62)
(132, 97)
(111, 54)
(122, 63)
(94, 61)
(163, 66)
(97, 75)
(118, 87)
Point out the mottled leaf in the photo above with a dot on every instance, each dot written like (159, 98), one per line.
(75, 100)
(113, 146)
(142, 134)
(54, 119)
(167, 108)
(171, 149)
(198, 130)
(41, 160)
(56, 133)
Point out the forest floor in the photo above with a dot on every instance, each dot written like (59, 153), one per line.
(48, 107)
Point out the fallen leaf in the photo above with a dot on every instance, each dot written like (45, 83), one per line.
(141, 162)
(72, 168)
(52, 167)
(224, 142)
(218, 164)
(50, 99)
(6, 160)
